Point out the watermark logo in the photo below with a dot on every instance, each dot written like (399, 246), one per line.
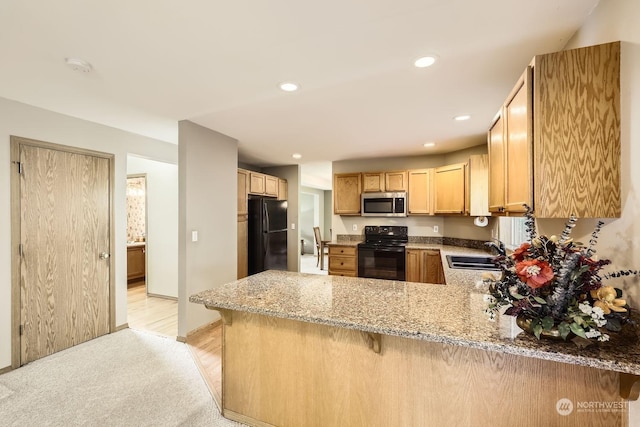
(564, 406)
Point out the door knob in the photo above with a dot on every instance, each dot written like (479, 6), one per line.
(104, 255)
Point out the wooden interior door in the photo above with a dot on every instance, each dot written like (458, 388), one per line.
(65, 239)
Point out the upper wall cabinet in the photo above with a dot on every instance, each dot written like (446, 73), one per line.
(420, 192)
(264, 185)
(561, 137)
(510, 151)
(346, 193)
(375, 182)
(243, 187)
(450, 189)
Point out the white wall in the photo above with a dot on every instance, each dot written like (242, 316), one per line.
(162, 224)
(30, 122)
(207, 172)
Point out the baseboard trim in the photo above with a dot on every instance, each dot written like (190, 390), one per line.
(208, 325)
(121, 327)
(162, 296)
(6, 369)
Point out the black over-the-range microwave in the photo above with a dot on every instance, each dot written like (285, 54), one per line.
(384, 204)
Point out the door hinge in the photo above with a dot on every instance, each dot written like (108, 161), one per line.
(21, 329)
(20, 167)
(20, 249)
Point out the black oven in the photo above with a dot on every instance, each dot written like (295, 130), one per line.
(382, 254)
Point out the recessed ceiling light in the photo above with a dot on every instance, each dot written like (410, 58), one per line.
(289, 87)
(425, 61)
(462, 117)
(78, 64)
(429, 144)
(296, 156)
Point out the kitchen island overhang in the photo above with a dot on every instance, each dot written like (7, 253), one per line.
(399, 327)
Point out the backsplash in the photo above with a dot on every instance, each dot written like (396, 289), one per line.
(450, 241)
(136, 199)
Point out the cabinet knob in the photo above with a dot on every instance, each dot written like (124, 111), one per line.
(104, 255)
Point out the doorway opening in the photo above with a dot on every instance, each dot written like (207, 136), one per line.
(150, 307)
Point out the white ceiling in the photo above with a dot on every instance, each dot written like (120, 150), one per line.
(219, 63)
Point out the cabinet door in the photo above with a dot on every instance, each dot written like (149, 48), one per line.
(346, 193)
(270, 186)
(372, 182)
(243, 264)
(282, 189)
(136, 262)
(420, 193)
(577, 133)
(495, 141)
(478, 185)
(256, 183)
(396, 181)
(413, 269)
(450, 189)
(518, 146)
(243, 187)
(433, 267)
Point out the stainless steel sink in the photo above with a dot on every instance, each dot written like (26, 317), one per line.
(468, 262)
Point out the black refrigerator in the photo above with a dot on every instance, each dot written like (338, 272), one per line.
(267, 235)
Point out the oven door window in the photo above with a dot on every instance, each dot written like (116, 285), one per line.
(381, 263)
(382, 205)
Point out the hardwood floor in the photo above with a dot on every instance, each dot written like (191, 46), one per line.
(206, 347)
(154, 314)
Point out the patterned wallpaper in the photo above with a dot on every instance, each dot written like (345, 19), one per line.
(136, 208)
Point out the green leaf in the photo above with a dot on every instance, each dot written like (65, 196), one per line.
(577, 329)
(539, 300)
(537, 329)
(564, 330)
(517, 295)
(547, 323)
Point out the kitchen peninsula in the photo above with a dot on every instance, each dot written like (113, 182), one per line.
(302, 350)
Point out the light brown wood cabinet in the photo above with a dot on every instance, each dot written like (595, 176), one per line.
(243, 249)
(265, 185)
(420, 193)
(243, 190)
(375, 182)
(424, 266)
(346, 193)
(270, 186)
(478, 185)
(510, 140)
(561, 137)
(136, 262)
(256, 183)
(450, 189)
(343, 260)
(283, 190)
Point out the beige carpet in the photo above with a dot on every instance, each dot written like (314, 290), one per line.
(129, 378)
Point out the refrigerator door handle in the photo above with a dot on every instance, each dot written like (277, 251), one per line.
(265, 213)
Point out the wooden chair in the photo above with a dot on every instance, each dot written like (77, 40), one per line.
(320, 247)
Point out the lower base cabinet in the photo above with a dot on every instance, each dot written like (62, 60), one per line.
(343, 260)
(424, 266)
(136, 268)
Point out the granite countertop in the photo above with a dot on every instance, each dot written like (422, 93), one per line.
(451, 314)
(344, 243)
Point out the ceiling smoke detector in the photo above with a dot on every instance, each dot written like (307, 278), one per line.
(77, 64)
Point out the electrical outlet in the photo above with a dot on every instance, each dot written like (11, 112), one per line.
(435, 228)
(293, 225)
(354, 227)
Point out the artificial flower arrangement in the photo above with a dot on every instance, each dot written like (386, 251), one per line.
(553, 283)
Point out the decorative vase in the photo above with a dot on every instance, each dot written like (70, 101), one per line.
(524, 322)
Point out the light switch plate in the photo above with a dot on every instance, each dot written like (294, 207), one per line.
(293, 225)
(194, 236)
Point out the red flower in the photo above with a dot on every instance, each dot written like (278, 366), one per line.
(520, 253)
(534, 273)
